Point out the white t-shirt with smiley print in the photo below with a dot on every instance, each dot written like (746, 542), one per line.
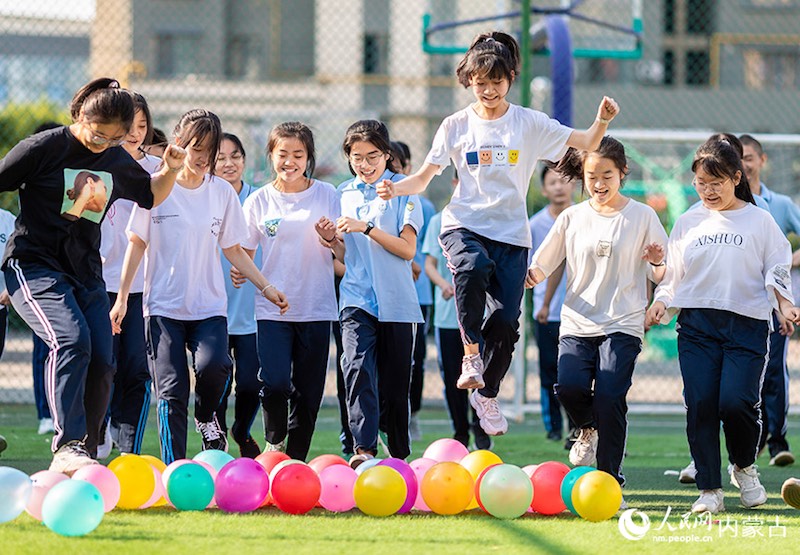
(495, 160)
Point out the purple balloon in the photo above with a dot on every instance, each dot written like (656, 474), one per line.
(411, 481)
(241, 486)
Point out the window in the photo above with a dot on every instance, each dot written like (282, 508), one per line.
(176, 54)
(375, 54)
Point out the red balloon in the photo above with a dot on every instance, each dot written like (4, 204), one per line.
(478, 487)
(324, 461)
(296, 488)
(546, 480)
(269, 459)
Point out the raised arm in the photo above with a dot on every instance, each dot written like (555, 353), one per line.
(590, 138)
(161, 183)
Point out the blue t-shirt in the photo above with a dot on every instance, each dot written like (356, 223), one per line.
(375, 280)
(444, 310)
(241, 301)
(423, 283)
(785, 212)
(540, 224)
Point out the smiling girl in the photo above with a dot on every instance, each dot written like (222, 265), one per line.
(494, 146)
(612, 245)
(728, 270)
(184, 291)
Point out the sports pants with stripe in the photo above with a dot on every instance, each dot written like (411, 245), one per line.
(167, 343)
(130, 401)
(71, 317)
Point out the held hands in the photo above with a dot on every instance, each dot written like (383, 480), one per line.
(654, 314)
(790, 313)
(653, 253)
(785, 326)
(534, 277)
(385, 189)
(607, 110)
(117, 315)
(346, 224)
(326, 230)
(237, 278)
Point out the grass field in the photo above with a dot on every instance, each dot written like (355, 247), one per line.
(655, 444)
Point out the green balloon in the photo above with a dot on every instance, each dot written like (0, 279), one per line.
(569, 482)
(73, 508)
(506, 491)
(190, 487)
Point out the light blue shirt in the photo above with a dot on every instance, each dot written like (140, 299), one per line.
(444, 310)
(423, 283)
(783, 209)
(375, 280)
(241, 301)
(540, 224)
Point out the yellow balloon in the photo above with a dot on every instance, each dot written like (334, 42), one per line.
(136, 480)
(380, 491)
(596, 496)
(475, 463)
(447, 488)
(159, 465)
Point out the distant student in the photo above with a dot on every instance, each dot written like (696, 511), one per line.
(548, 297)
(728, 270)
(495, 146)
(7, 220)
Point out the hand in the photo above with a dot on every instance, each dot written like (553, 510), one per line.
(448, 291)
(117, 315)
(5, 298)
(346, 224)
(653, 253)
(534, 277)
(385, 189)
(87, 192)
(784, 326)
(791, 313)
(416, 270)
(174, 156)
(277, 298)
(608, 109)
(543, 314)
(654, 314)
(326, 230)
(237, 278)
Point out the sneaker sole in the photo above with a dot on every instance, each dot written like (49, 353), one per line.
(720, 509)
(782, 459)
(686, 479)
(790, 492)
(468, 381)
(760, 501)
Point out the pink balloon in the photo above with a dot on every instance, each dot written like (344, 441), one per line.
(168, 472)
(158, 491)
(337, 483)
(104, 480)
(420, 467)
(446, 450)
(410, 478)
(42, 482)
(529, 471)
(241, 486)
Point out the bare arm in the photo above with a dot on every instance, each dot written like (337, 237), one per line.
(432, 271)
(411, 185)
(590, 139)
(161, 183)
(549, 292)
(326, 229)
(130, 264)
(237, 256)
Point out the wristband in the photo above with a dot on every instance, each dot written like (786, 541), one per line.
(265, 288)
(662, 263)
(602, 120)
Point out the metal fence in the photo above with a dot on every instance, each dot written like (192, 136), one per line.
(680, 69)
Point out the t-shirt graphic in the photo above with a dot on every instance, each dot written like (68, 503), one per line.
(271, 227)
(86, 194)
(493, 156)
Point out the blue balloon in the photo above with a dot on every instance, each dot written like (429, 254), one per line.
(73, 508)
(216, 458)
(15, 491)
(190, 487)
(569, 482)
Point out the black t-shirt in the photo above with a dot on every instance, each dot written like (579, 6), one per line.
(64, 191)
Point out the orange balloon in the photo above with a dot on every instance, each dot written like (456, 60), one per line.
(324, 461)
(447, 488)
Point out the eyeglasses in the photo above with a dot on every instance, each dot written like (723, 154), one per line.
(371, 159)
(235, 157)
(710, 187)
(99, 140)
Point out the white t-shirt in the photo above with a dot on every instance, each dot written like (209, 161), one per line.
(183, 276)
(495, 160)
(730, 260)
(292, 257)
(606, 276)
(7, 220)
(114, 238)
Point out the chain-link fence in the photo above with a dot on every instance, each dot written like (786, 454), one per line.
(680, 69)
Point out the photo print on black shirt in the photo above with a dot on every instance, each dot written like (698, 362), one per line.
(86, 194)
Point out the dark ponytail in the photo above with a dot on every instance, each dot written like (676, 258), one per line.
(492, 55)
(103, 101)
(201, 125)
(571, 165)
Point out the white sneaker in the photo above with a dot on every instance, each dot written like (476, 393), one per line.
(790, 492)
(212, 435)
(584, 451)
(784, 458)
(70, 457)
(104, 448)
(710, 501)
(488, 409)
(45, 426)
(734, 483)
(689, 474)
(280, 446)
(471, 373)
(751, 491)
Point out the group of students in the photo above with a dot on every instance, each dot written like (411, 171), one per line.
(66, 274)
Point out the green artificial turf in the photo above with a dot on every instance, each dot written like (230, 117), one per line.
(655, 444)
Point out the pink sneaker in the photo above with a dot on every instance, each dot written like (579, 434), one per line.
(471, 373)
